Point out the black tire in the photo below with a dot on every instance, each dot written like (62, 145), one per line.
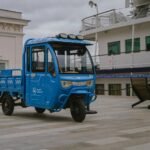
(7, 105)
(77, 109)
(39, 110)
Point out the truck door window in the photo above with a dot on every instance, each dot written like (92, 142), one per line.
(38, 59)
(28, 59)
(51, 68)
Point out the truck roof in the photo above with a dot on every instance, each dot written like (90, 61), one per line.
(56, 39)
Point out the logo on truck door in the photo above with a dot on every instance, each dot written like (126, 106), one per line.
(37, 91)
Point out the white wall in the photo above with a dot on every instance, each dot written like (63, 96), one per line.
(11, 38)
(11, 50)
(108, 81)
(124, 60)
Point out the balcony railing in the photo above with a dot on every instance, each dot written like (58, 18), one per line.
(123, 60)
(103, 19)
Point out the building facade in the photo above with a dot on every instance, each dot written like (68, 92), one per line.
(124, 48)
(11, 38)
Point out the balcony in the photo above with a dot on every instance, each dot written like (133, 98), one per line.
(103, 19)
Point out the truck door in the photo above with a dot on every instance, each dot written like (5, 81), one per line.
(35, 76)
(51, 86)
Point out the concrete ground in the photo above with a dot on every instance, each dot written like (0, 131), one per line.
(116, 127)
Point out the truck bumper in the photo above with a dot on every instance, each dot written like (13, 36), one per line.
(89, 97)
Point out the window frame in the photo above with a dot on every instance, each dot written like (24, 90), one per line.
(147, 49)
(28, 59)
(110, 48)
(128, 44)
(43, 48)
(49, 53)
(100, 90)
(137, 47)
(128, 92)
(113, 91)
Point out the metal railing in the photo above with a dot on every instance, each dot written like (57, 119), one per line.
(123, 60)
(105, 19)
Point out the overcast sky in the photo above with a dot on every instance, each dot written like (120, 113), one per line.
(50, 17)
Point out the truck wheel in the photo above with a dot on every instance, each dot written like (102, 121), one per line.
(77, 109)
(7, 105)
(39, 110)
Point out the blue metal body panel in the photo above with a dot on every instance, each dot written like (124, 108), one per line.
(42, 89)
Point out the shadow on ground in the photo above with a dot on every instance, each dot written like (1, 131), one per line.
(42, 117)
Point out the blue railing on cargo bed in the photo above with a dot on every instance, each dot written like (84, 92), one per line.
(11, 80)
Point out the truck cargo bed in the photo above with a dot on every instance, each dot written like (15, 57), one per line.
(11, 81)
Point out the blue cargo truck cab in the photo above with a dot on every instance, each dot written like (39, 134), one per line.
(57, 73)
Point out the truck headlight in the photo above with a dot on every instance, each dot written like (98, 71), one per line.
(89, 83)
(66, 84)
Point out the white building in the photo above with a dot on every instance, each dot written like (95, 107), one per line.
(124, 47)
(11, 38)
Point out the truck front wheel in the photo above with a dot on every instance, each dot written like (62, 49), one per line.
(77, 109)
(7, 105)
(39, 110)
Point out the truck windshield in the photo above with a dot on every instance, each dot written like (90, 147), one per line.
(73, 59)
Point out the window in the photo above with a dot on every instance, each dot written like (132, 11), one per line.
(38, 59)
(51, 68)
(137, 45)
(127, 89)
(73, 59)
(133, 93)
(128, 45)
(2, 66)
(114, 48)
(100, 89)
(115, 89)
(148, 82)
(28, 59)
(148, 43)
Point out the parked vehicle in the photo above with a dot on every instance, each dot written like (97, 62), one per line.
(57, 73)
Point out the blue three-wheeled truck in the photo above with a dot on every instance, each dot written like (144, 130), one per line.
(57, 73)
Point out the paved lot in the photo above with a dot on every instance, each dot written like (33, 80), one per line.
(115, 127)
